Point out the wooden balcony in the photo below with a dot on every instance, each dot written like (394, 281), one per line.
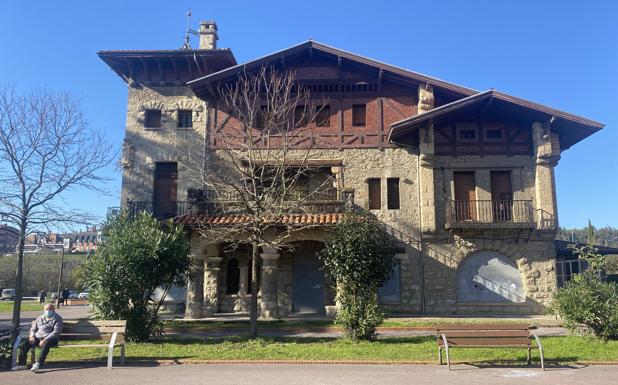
(327, 201)
(490, 214)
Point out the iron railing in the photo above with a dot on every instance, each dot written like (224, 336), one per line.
(475, 213)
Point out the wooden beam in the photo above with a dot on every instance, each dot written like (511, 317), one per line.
(146, 73)
(340, 123)
(380, 78)
(160, 70)
(188, 61)
(380, 117)
(283, 63)
(310, 49)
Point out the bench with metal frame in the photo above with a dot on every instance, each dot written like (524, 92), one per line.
(110, 333)
(487, 336)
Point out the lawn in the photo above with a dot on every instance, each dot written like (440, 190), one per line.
(419, 349)
(7, 306)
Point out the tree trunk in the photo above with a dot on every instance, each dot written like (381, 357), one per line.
(18, 281)
(253, 312)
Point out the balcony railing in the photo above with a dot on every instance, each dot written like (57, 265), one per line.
(326, 201)
(489, 213)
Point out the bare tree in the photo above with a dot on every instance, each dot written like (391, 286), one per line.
(256, 165)
(46, 149)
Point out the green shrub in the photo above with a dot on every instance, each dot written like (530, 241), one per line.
(138, 256)
(359, 258)
(587, 300)
(5, 349)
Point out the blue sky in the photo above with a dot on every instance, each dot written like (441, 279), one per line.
(562, 54)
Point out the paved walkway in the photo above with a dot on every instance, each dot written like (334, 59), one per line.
(269, 374)
(67, 312)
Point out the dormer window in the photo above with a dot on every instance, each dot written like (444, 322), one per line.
(185, 119)
(152, 119)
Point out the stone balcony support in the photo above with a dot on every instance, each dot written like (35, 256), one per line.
(426, 158)
(547, 152)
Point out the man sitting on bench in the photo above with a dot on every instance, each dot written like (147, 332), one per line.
(44, 332)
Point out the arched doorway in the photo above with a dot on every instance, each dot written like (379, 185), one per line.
(488, 276)
(307, 278)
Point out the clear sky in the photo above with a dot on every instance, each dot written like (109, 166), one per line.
(560, 53)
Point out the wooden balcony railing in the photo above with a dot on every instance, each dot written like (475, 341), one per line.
(489, 213)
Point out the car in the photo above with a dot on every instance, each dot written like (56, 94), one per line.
(84, 295)
(73, 294)
(8, 294)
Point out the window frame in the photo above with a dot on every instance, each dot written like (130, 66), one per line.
(184, 112)
(324, 121)
(376, 202)
(390, 194)
(356, 123)
(147, 118)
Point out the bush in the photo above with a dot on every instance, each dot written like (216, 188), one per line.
(5, 349)
(359, 257)
(587, 300)
(138, 256)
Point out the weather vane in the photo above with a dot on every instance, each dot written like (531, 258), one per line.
(189, 31)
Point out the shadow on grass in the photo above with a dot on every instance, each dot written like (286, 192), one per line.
(214, 340)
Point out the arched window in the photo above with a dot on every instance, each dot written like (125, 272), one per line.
(233, 277)
(488, 276)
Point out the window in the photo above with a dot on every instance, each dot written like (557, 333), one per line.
(567, 268)
(392, 193)
(185, 118)
(493, 135)
(152, 119)
(375, 199)
(390, 292)
(260, 118)
(359, 115)
(322, 116)
(300, 117)
(467, 134)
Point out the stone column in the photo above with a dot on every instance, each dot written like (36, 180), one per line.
(243, 302)
(426, 157)
(547, 153)
(195, 288)
(212, 267)
(270, 271)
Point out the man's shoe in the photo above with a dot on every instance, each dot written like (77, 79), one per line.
(19, 367)
(35, 368)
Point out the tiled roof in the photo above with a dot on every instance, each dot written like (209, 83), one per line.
(195, 219)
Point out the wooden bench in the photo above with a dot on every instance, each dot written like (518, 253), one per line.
(110, 333)
(487, 336)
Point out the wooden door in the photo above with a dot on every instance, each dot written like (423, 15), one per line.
(164, 190)
(465, 196)
(501, 196)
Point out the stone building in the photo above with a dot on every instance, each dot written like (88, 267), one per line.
(463, 179)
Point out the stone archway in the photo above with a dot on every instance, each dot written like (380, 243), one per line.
(488, 276)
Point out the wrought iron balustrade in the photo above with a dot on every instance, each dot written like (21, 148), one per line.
(498, 213)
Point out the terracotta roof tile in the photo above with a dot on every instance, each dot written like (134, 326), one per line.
(195, 219)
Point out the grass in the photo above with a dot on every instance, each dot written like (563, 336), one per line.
(421, 349)
(7, 306)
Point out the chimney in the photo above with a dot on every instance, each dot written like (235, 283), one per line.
(208, 34)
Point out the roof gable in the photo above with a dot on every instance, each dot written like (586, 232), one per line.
(203, 86)
(571, 128)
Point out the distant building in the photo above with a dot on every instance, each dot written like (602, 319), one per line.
(43, 243)
(82, 241)
(9, 236)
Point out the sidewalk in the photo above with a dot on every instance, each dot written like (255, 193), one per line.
(269, 374)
